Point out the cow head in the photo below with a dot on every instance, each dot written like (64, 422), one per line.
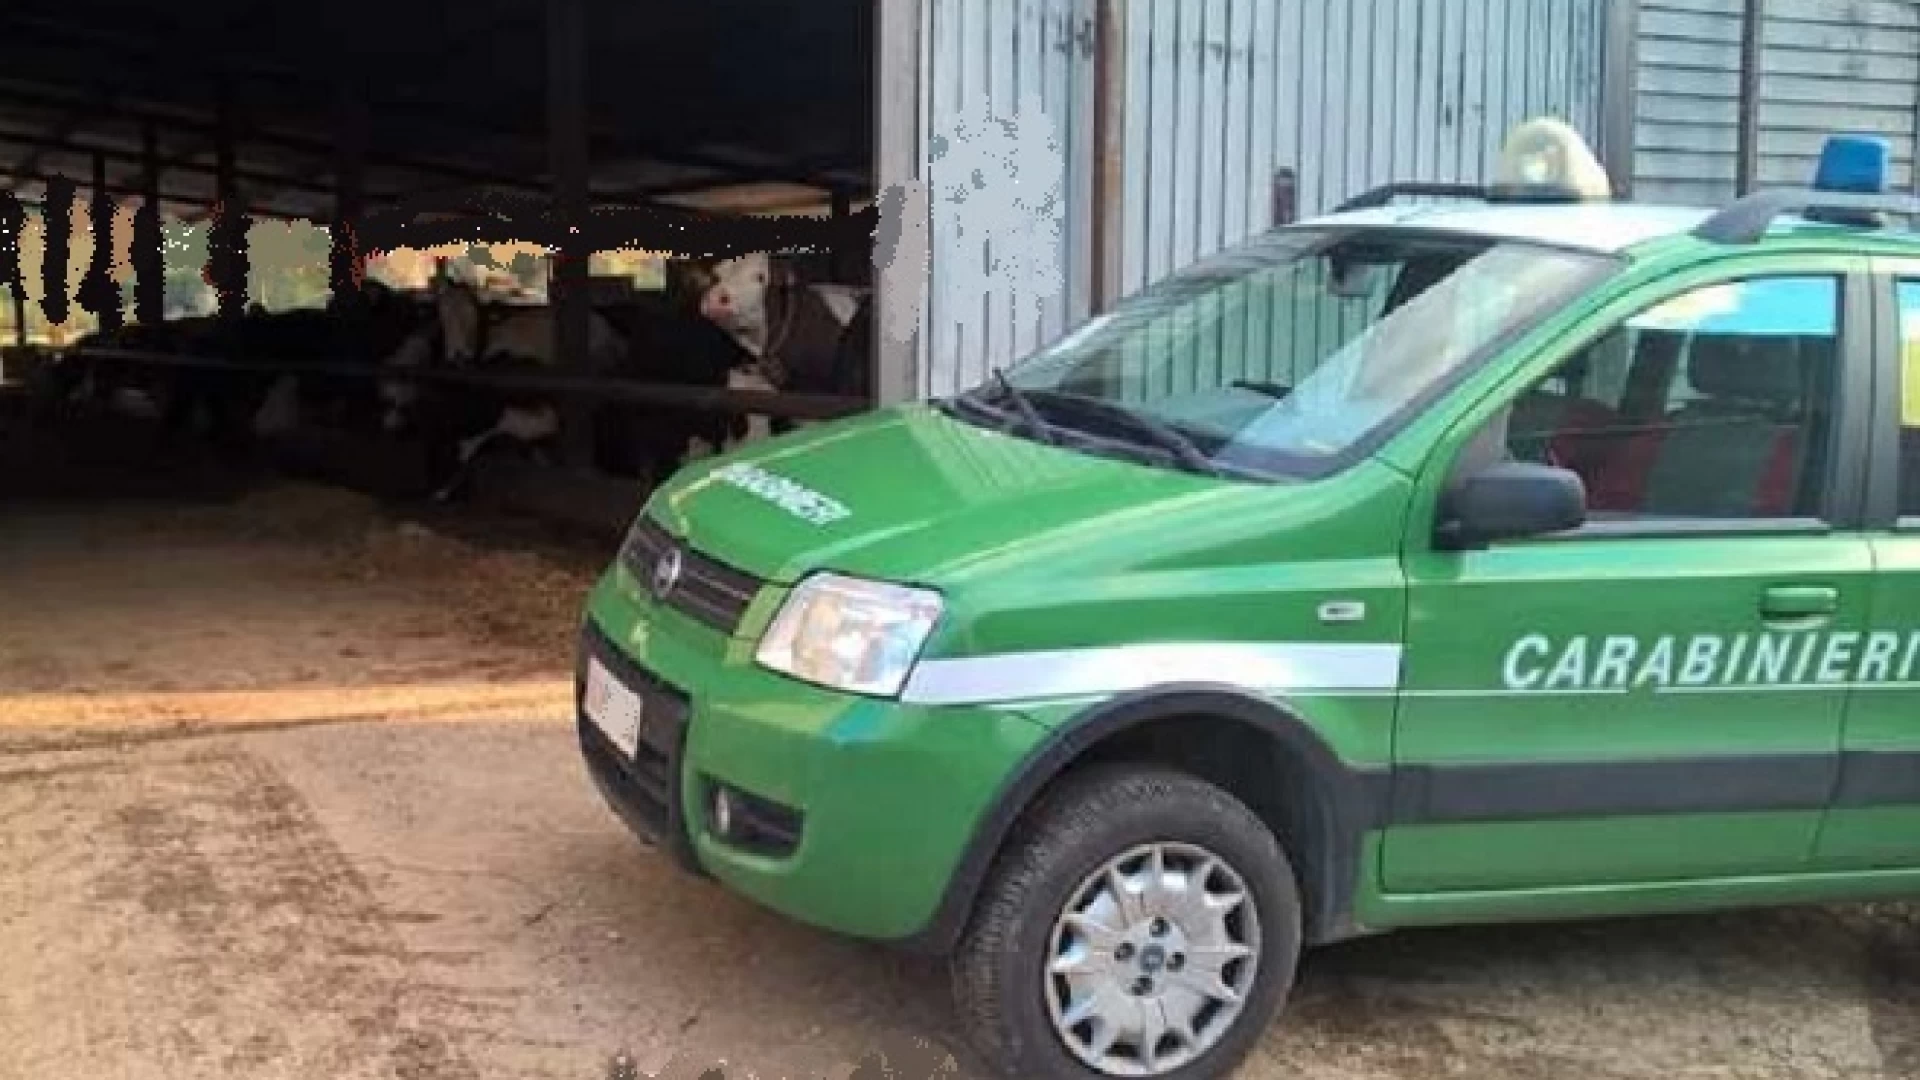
(736, 297)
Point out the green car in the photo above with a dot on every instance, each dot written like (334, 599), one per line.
(1513, 555)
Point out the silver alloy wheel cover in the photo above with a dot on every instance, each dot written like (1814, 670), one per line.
(1152, 959)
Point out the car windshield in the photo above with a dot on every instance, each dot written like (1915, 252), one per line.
(1288, 356)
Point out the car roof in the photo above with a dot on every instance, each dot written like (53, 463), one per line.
(1607, 228)
(1602, 227)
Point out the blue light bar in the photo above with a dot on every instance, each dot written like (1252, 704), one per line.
(1853, 163)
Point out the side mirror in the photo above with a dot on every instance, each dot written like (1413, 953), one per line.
(1510, 500)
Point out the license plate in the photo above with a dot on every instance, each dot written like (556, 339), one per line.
(613, 708)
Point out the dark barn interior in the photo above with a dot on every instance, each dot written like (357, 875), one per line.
(376, 112)
(673, 99)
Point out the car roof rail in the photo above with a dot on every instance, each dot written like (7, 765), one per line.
(1386, 193)
(1747, 220)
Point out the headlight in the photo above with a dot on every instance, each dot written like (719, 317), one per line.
(847, 634)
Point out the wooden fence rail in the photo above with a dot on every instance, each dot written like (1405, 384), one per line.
(590, 387)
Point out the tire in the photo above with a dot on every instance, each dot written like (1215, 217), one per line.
(1003, 989)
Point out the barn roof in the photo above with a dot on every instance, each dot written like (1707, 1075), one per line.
(682, 98)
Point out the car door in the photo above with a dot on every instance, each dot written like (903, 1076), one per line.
(1875, 819)
(1657, 695)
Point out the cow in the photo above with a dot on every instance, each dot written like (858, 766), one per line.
(807, 337)
(358, 330)
(669, 343)
(457, 422)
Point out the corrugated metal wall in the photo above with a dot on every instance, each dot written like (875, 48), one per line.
(1220, 95)
(1001, 55)
(1825, 66)
(1223, 93)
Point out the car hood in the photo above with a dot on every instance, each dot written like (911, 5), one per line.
(906, 494)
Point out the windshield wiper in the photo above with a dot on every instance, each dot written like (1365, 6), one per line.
(1272, 390)
(1024, 405)
(1162, 434)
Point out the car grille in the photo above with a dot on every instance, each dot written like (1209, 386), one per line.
(644, 788)
(706, 590)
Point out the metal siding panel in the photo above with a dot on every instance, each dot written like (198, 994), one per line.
(997, 334)
(1691, 23)
(1424, 54)
(1448, 74)
(996, 54)
(1262, 78)
(1336, 128)
(924, 352)
(1359, 70)
(1408, 131)
(1383, 89)
(1262, 129)
(944, 334)
(1658, 53)
(1189, 80)
(1166, 45)
(1473, 89)
(1030, 60)
(1797, 111)
(1223, 93)
(1137, 186)
(1215, 62)
(1881, 67)
(1315, 65)
(1686, 97)
(1236, 181)
(1081, 153)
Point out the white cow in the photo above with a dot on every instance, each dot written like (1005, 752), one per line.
(802, 333)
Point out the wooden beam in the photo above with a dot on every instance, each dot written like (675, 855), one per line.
(184, 163)
(568, 150)
(177, 198)
(571, 386)
(196, 120)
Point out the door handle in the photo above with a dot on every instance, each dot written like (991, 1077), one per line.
(1799, 602)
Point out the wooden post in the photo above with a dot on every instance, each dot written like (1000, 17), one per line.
(101, 292)
(567, 149)
(346, 258)
(149, 240)
(227, 239)
(1747, 160)
(843, 258)
(1619, 95)
(1109, 148)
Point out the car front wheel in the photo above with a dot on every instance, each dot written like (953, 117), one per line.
(1140, 923)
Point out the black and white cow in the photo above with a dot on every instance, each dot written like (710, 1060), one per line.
(458, 422)
(670, 344)
(360, 331)
(807, 337)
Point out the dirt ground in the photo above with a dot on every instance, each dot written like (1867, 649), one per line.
(287, 789)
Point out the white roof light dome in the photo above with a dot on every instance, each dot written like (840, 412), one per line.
(1546, 160)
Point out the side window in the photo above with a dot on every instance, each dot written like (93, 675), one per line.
(1909, 399)
(1716, 404)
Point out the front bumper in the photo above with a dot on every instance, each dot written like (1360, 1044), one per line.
(884, 797)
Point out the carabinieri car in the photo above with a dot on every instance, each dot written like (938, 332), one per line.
(1507, 554)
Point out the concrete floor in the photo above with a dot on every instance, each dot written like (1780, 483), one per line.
(288, 790)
